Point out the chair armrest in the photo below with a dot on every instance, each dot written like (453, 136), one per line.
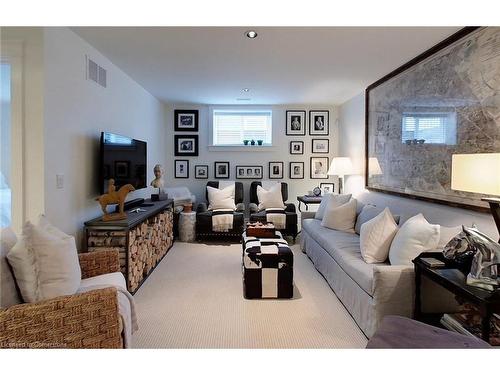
(99, 262)
(86, 320)
(240, 207)
(290, 207)
(202, 207)
(253, 208)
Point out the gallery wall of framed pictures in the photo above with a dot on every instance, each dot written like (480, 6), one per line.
(301, 151)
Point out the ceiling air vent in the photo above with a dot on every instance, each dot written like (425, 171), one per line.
(96, 72)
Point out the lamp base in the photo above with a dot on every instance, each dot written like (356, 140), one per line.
(495, 211)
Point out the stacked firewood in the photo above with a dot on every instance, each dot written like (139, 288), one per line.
(148, 242)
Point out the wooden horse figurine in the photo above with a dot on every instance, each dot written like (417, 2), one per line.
(114, 197)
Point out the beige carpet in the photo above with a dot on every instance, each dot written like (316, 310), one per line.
(194, 300)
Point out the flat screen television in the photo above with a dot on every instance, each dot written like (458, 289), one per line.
(124, 160)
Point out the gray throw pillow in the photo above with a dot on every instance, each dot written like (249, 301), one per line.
(368, 212)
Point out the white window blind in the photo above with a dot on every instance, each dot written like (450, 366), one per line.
(232, 127)
(433, 127)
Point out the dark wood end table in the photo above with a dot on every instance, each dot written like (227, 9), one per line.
(308, 199)
(454, 280)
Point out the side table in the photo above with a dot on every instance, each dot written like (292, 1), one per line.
(308, 199)
(187, 226)
(454, 280)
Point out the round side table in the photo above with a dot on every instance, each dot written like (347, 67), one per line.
(187, 226)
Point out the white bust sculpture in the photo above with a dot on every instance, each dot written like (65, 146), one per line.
(158, 181)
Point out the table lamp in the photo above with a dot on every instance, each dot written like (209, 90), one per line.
(478, 173)
(340, 166)
(374, 167)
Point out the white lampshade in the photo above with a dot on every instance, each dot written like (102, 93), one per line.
(374, 167)
(340, 167)
(476, 173)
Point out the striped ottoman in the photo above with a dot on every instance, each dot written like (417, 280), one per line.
(267, 267)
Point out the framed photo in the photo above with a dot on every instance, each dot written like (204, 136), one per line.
(296, 170)
(185, 120)
(276, 170)
(296, 147)
(201, 171)
(295, 122)
(319, 167)
(186, 145)
(181, 168)
(221, 169)
(122, 169)
(319, 122)
(320, 146)
(249, 171)
(327, 188)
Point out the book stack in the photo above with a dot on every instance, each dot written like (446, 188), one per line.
(468, 322)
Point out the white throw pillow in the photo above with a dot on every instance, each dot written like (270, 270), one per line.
(376, 236)
(339, 200)
(271, 198)
(415, 236)
(340, 217)
(446, 234)
(45, 262)
(221, 199)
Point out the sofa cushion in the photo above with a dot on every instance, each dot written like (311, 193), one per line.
(221, 198)
(340, 217)
(270, 198)
(367, 213)
(415, 236)
(9, 294)
(109, 279)
(339, 200)
(343, 247)
(376, 237)
(45, 262)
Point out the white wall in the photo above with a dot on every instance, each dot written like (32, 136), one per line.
(352, 144)
(279, 152)
(76, 111)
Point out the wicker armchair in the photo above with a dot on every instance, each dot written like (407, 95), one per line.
(85, 320)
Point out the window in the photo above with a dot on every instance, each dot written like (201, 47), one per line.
(5, 149)
(232, 127)
(437, 128)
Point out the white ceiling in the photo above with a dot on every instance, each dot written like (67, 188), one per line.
(283, 65)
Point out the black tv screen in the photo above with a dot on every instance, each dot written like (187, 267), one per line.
(122, 159)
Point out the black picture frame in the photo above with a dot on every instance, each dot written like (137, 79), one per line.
(181, 139)
(181, 120)
(325, 166)
(317, 115)
(292, 144)
(330, 185)
(197, 169)
(377, 119)
(122, 169)
(315, 140)
(247, 172)
(292, 166)
(291, 116)
(272, 166)
(184, 163)
(217, 173)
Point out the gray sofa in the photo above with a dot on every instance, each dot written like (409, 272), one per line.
(368, 291)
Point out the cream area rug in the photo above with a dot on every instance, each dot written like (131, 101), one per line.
(194, 299)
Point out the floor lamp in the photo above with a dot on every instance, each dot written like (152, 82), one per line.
(340, 167)
(478, 173)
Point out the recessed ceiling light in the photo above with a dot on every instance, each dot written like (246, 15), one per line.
(246, 89)
(243, 99)
(252, 34)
